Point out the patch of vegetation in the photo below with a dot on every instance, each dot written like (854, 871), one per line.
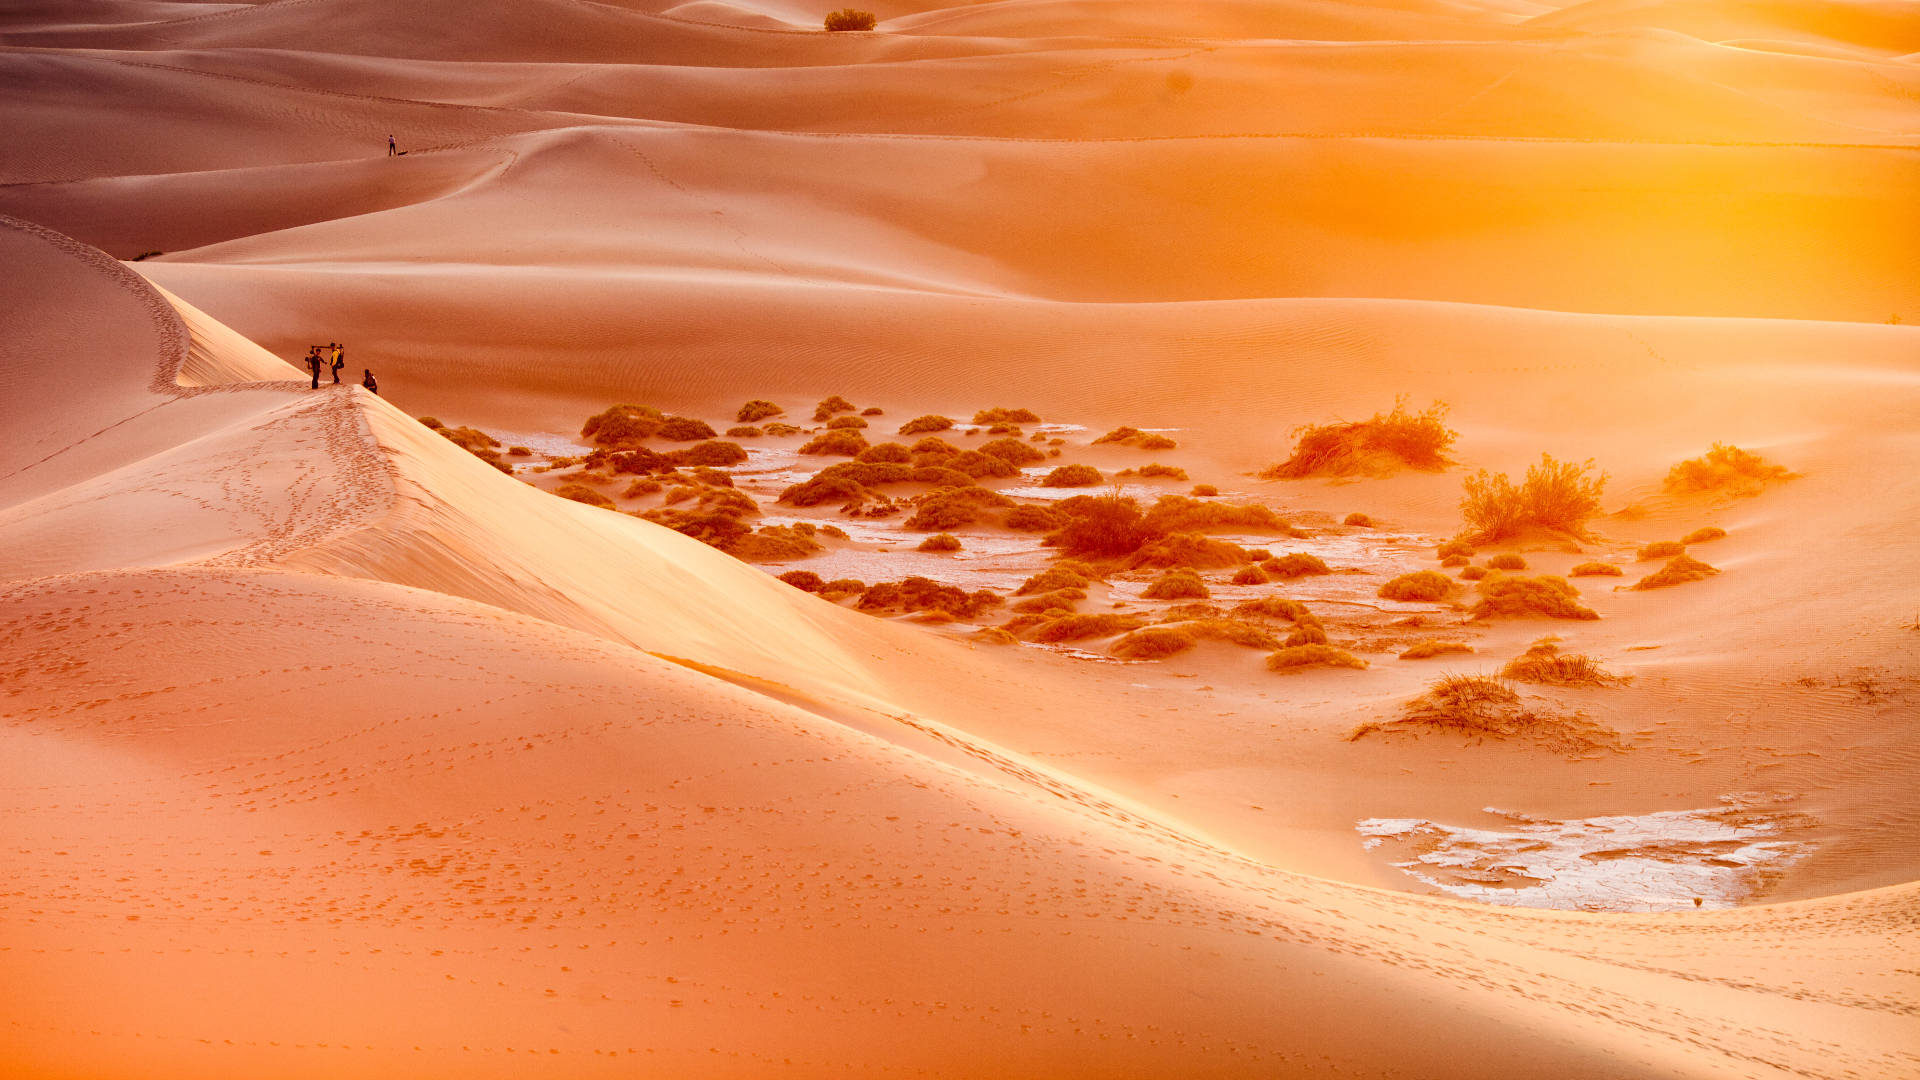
(1544, 663)
(840, 443)
(1134, 437)
(1062, 600)
(1250, 575)
(1070, 476)
(1275, 607)
(1421, 585)
(1067, 574)
(1701, 536)
(1358, 521)
(1295, 565)
(831, 407)
(846, 423)
(989, 417)
(1155, 470)
(744, 431)
(1595, 569)
(924, 594)
(1102, 525)
(1204, 491)
(1035, 519)
(684, 429)
(622, 426)
(1726, 469)
(757, 410)
(1300, 657)
(922, 425)
(1455, 547)
(993, 635)
(712, 454)
(782, 431)
(519, 451)
(1082, 627)
(1177, 513)
(1422, 650)
(1474, 573)
(1014, 452)
(1679, 570)
(1660, 549)
(1189, 550)
(1388, 441)
(886, 453)
(1517, 597)
(1306, 633)
(475, 442)
(1506, 560)
(1556, 495)
(849, 19)
(954, 508)
(940, 542)
(1178, 584)
(977, 464)
(1452, 561)
(804, 580)
(581, 493)
(1154, 643)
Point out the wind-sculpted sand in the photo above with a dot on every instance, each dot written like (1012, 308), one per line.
(328, 748)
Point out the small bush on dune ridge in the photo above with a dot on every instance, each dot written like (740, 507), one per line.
(1724, 468)
(1421, 585)
(1067, 476)
(1521, 596)
(475, 442)
(1679, 570)
(1422, 650)
(1296, 564)
(1506, 561)
(940, 542)
(922, 425)
(842, 443)
(1301, 657)
(581, 493)
(756, 410)
(1389, 440)
(987, 417)
(1178, 584)
(1555, 495)
(1595, 569)
(849, 19)
(804, 580)
(1544, 663)
(1660, 549)
(1083, 627)
(1701, 536)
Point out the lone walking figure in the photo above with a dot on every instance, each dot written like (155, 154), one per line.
(392, 150)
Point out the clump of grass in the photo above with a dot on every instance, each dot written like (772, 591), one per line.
(475, 442)
(830, 407)
(1250, 575)
(712, 454)
(684, 429)
(1306, 633)
(886, 453)
(519, 451)
(1178, 513)
(1701, 536)
(846, 423)
(1178, 584)
(1679, 570)
(1473, 573)
(1358, 520)
(1104, 526)
(641, 487)
(1454, 548)
(1421, 585)
(1154, 643)
(1062, 600)
(940, 542)
(1189, 550)
(1422, 650)
(922, 425)
(782, 431)
(744, 431)
(989, 417)
(873, 410)
(1070, 476)
(1066, 574)
(1013, 451)
(1660, 549)
(622, 425)
(1275, 607)
(840, 443)
(1083, 627)
(977, 464)
(1523, 596)
(1034, 519)
(1155, 469)
(993, 635)
(1544, 663)
(849, 19)
(917, 594)
(1134, 437)
(1300, 657)
(581, 493)
(1486, 706)
(1506, 560)
(1595, 569)
(1388, 441)
(1296, 564)
(1452, 561)
(757, 410)
(1204, 491)
(1556, 495)
(804, 580)
(840, 588)
(954, 508)
(1726, 469)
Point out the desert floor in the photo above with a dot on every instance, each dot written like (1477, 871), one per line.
(329, 748)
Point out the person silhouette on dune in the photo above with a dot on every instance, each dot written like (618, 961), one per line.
(314, 363)
(367, 380)
(392, 150)
(339, 361)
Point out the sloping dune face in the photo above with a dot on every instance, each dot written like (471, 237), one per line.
(328, 750)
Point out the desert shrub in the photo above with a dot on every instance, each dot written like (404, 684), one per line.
(804, 580)
(1082, 627)
(1306, 633)
(1555, 495)
(756, 410)
(1724, 468)
(1548, 665)
(1431, 647)
(527, 451)
(1299, 657)
(873, 410)
(622, 425)
(1701, 536)
(432, 422)
(1275, 607)
(1155, 469)
(145, 255)
(924, 594)
(1068, 476)
(782, 431)
(993, 635)
(1108, 525)
(1057, 600)
(1066, 575)
(1035, 519)
(1595, 569)
(834, 531)
(1473, 573)
(1455, 547)
(1485, 706)
(1154, 642)
(1358, 520)
(1506, 560)
(1389, 440)
(940, 542)
(1660, 549)
(1178, 513)
(1452, 561)
(581, 493)
(1522, 596)
(641, 487)
(744, 431)
(1250, 575)
(714, 453)
(849, 19)
(1188, 550)
(1006, 416)
(1178, 584)
(1231, 631)
(940, 476)
(830, 407)
(1153, 440)
(818, 490)
(1204, 491)
(684, 429)
(846, 423)
(840, 588)
(921, 425)
(1013, 451)
(1297, 564)
(976, 464)
(478, 443)
(1420, 585)
(889, 453)
(1119, 435)
(1679, 570)
(953, 508)
(842, 443)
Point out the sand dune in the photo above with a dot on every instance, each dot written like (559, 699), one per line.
(329, 749)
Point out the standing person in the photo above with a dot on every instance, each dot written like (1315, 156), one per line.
(391, 149)
(313, 364)
(367, 380)
(339, 361)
